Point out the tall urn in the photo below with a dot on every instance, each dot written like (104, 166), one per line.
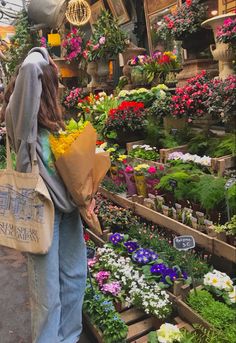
(221, 52)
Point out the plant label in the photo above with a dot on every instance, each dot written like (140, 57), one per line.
(184, 242)
(173, 183)
(230, 183)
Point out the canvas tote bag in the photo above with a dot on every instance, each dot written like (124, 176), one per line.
(26, 210)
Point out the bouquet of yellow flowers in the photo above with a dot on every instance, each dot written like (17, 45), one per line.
(80, 167)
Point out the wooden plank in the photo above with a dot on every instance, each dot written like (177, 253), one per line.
(129, 145)
(189, 315)
(224, 249)
(123, 202)
(164, 153)
(132, 315)
(94, 330)
(182, 324)
(139, 329)
(173, 225)
(98, 240)
(142, 339)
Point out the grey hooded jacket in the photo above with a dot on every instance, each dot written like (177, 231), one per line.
(29, 141)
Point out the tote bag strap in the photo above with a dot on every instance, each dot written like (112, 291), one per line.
(34, 165)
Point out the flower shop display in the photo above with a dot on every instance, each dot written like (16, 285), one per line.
(223, 27)
(185, 25)
(126, 123)
(78, 143)
(157, 66)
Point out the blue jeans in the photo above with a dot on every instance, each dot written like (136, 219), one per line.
(57, 283)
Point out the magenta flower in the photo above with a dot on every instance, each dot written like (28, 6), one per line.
(102, 276)
(152, 170)
(129, 169)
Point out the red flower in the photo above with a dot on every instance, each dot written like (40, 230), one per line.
(86, 237)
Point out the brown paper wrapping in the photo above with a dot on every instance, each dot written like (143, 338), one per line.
(82, 170)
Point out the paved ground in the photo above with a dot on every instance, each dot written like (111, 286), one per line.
(14, 299)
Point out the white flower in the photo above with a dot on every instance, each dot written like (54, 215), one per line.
(232, 295)
(168, 333)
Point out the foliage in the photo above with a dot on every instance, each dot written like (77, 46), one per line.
(103, 314)
(129, 116)
(226, 146)
(161, 106)
(229, 227)
(185, 21)
(112, 187)
(2, 157)
(231, 195)
(215, 312)
(107, 39)
(74, 45)
(209, 192)
(145, 152)
(21, 43)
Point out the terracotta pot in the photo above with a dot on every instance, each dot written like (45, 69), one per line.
(221, 51)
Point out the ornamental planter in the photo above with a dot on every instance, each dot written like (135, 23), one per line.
(221, 52)
(140, 183)
(174, 123)
(127, 136)
(92, 70)
(103, 73)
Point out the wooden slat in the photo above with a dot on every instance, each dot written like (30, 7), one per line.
(132, 315)
(225, 250)
(98, 240)
(139, 329)
(142, 339)
(96, 332)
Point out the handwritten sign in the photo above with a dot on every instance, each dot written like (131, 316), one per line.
(184, 242)
(90, 252)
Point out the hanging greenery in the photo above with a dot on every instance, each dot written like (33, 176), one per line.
(21, 43)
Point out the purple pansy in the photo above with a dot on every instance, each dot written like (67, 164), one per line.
(116, 238)
(131, 246)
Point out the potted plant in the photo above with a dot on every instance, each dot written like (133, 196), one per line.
(139, 177)
(223, 27)
(185, 25)
(126, 123)
(157, 66)
(153, 176)
(106, 42)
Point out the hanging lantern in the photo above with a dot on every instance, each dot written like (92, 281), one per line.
(78, 12)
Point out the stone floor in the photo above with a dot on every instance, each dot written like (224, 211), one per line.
(14, 299)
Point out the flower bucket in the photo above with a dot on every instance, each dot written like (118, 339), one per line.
(140, 183)
(150, 184)
(121, 176)
(130, 182)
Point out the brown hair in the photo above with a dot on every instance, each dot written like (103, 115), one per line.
(50, 114)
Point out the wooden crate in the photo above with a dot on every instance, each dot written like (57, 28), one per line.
(139, 325)
(211, 244)
(164, 153)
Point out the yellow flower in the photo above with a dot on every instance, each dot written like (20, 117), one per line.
(121, 158)
(61, 142)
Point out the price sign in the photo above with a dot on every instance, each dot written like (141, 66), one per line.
(184, 242)
(90, 253)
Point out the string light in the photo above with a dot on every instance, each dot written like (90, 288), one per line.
(78, 12)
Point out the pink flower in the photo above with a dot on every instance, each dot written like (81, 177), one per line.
(152, 170)
(102, 40)
(96, 46)
(102, 276)
(92, 262)
(112, 288)
(129, 169)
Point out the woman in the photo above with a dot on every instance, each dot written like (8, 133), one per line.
(57, 280)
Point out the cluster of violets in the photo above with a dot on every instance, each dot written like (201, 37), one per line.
(112, 288)
(165, 272)
(145, 256)
(137, 60)
(226, 33)
(178, 155)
